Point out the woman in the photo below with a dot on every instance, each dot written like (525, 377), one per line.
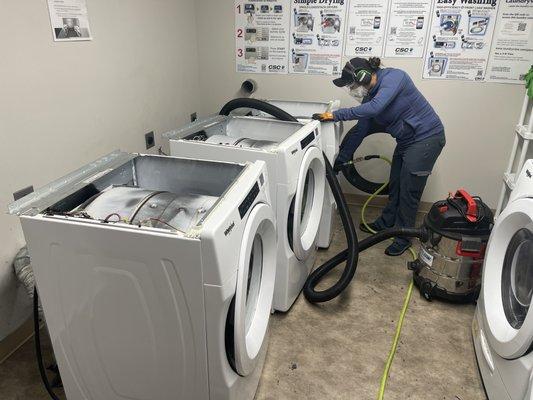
(391, 103)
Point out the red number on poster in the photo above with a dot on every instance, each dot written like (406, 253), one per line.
(239, 52)
(239, 33)
(239, 8)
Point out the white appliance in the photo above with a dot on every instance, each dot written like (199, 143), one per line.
(296, 170)
(503, 324)
(156, 276)
(331, 139)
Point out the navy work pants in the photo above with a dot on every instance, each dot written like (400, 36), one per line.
(411, 167)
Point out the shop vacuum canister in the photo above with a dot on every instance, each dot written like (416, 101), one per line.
(450, 262)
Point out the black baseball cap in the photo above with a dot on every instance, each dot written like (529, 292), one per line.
(349, 71)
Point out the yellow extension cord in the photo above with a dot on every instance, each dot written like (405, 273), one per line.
(394, 347)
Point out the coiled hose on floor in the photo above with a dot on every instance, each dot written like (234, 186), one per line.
(357, 180)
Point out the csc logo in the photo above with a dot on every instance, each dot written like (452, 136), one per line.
(363, 49)
(276, 67)
(403, 50)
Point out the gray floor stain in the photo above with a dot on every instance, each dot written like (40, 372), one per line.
(337, 350)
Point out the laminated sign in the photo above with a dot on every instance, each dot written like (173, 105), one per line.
(69, 20)
(261, 34)
(367, 22)
(512, 46)
(407, 28)
(460, 39)
(316, 36)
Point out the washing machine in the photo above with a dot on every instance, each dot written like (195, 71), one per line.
(503, 323)
(331, 139)
(156, 276)
(293, 155)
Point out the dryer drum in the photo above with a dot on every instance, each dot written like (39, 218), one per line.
(158, 209)
(243, 142)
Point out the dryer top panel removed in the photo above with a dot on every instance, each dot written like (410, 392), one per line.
(148, 190)
(263, 129)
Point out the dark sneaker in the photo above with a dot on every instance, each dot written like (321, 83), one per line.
(372, 225)
(397, 248)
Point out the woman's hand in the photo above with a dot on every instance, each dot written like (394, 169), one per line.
(324, 117)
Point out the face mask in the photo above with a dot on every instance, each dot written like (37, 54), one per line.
(359, 92)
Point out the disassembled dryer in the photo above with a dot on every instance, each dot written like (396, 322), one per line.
(156, 276)
(293, 154)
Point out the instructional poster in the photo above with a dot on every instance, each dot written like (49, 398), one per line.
(261, 35)
(69, 20)
(316, 36)
(367, 21)
(407, 28)
(460, 39)
(512, 47)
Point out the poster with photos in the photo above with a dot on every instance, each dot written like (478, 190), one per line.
(512, 46)
(317, 36)
(460, 39)
(367, 21)
(407, 28)
(69, 20)
(261, 36)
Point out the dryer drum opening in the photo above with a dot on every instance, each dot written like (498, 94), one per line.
(517, 278)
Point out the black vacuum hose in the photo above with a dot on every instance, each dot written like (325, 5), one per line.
(352, 175)
(38, 348)
(257, 105)
(351, 254)
(346, 255)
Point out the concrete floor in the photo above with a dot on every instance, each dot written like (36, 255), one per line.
(337, 350)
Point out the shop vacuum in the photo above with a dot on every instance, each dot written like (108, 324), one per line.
(453, 237)
(450, 261)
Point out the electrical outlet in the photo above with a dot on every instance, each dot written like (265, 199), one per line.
(19, 194)
(194, 117)
(149, 138)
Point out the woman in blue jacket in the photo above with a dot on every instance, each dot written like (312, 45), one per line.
(391, 103)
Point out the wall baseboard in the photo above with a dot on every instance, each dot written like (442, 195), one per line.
(16, 339)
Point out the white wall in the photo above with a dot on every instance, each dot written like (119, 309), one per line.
(479, 117)
(65, 104)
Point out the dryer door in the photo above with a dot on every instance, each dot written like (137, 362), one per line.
(308, 202)
(255, 287)
(508, 281)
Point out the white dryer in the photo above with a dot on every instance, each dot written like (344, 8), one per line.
(296, 170)
(331, 138)
(503, 323)
(156, 276)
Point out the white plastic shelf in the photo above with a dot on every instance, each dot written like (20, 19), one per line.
(523, 136)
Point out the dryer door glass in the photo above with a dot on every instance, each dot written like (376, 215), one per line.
(255, 288)
(517, 277)
(308, 203)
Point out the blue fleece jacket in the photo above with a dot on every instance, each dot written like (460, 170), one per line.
(394, 106)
